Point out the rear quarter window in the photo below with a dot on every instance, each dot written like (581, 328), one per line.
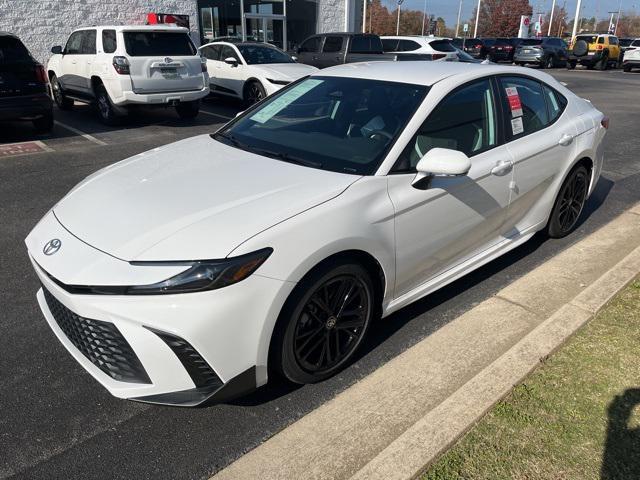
(442, 46)
(150, 44)
(109, 43)
(366, 44)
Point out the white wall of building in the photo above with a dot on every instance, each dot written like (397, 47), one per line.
(40, 24)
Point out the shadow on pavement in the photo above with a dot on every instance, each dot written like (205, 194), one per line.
(621, 457)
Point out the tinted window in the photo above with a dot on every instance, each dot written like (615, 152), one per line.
(390, 44)
(534, 108)
(212, 52)
(587, 38)
(365, 44)
(488, 41)
(261, 54)
(529, 42)
(442, 46)
(556, 103)
(635, 43)
(600, 39)
(109, 41)
(228, 52)
(148, 44)
(624, 42)
(74, 44)
(88, 42)
(311, 45)
(12, 50)
(503, 41)
(409, 45)
(332, 44)
(465, 120)
(333, 123)
(613, 40)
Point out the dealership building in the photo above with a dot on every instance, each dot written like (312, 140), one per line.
(44, 23)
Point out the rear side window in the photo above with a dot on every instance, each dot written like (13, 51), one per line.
(532, 114)
(310, 45)
(88, 42)
(442, 46)
(390, 44)
(635, 43)
(149, 44)
(332, 44)
(601, 40)
(556, 103)
(366, 44)
(12, 50)
(408, 46)
(465, 121)
(109, 43)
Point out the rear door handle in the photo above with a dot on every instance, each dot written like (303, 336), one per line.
(565, 140)
(502, 168)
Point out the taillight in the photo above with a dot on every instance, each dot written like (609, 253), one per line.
(203, 63)
(438, 56)
(605, 122)
(599, 47)
(508, 47)
(41, 75)
(121, 65)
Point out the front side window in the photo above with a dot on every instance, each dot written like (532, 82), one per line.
(74, 44)
(151, 44)
(311, 45)
(228, 52)
(465, 121)
(332, 44)
(262, 54)
(526, 109)
(88, 42)
(332, 123)
(109, 41)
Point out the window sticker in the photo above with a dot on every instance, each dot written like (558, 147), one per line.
(517, 126)
(514, 101)
(267, 113)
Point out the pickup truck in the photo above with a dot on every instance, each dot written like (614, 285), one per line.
(329, 49)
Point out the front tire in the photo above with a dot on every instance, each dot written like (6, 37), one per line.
(253, 93)
(569, 203)
(61, 100)
(188, 110)
(323, 322)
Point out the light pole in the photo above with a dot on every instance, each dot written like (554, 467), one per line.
(475, 31)
(576, 20)
(364, 16)
(398, 22)
(424, 16)
(553, 7)
(618, 17)
(458, 22)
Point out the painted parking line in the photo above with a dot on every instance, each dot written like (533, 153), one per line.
(23, 148)
(226, 117)
(91, 138)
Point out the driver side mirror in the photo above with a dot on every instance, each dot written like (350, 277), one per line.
(231, 61)
(442, 162)
(57, 50)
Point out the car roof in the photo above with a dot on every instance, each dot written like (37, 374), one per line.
(238, 44)
(137, 28)
(419, 73)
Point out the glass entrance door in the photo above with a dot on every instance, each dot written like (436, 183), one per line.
(266, 28)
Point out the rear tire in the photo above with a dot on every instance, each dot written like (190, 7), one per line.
(571, 65)
(188, 110)
(323, 322)
(626, 68)
(569, 203)
(60, 98)
(603, 63)
(550, 62)
(105, 108)
(44, 124)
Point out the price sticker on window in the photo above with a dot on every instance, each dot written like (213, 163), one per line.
(514, 101)
(517, 127)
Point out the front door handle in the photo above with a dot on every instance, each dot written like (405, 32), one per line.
(565, 140)
(502, 168)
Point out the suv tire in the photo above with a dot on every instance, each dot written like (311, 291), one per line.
(60, 98)
(104, 106)
(253, 93)
(626, 68)
(571, 64)
(186, 110)
(603, 63)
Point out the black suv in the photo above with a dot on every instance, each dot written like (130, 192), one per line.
(546, 52)
(24, 87)
(478, 47)
(503, 49)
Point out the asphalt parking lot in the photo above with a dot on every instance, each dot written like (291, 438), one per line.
(58, 422)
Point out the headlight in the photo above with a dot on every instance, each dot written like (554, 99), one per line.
(204, 275)
(279, 82)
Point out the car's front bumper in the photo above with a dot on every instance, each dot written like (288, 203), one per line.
(25, 106)
(168, 336)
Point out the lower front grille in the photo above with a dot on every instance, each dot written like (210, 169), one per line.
(101, 342)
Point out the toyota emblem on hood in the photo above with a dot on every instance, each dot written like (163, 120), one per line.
(168, 60)
(52, 246)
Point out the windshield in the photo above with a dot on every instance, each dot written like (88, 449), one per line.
(332, 123)
(12, 50)
(625, 42)
(528, 42)
(260, 54)
(152, 44)
(587, 38)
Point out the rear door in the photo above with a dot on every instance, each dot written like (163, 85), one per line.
(162, 61)
(18, 70)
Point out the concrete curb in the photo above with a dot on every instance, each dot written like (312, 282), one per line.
(398, 419)
(411, 453)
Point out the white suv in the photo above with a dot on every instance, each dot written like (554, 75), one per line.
(118, 66)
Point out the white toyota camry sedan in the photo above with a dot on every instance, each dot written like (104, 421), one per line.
(189, 273)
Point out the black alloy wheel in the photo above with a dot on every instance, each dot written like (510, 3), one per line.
(569, 203)
(254, 92)
(326, 322)
(105, 108)
(61, 100)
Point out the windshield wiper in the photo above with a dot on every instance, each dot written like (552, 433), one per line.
(285, 157)
(234, 141)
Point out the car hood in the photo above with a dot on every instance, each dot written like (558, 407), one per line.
(286, 71)
(191, 200)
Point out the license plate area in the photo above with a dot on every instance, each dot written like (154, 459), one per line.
(169, 72)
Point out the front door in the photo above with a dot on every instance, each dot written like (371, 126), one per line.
(70, 80)
(454, 218)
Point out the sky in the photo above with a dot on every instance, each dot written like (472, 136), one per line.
(448, 9)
